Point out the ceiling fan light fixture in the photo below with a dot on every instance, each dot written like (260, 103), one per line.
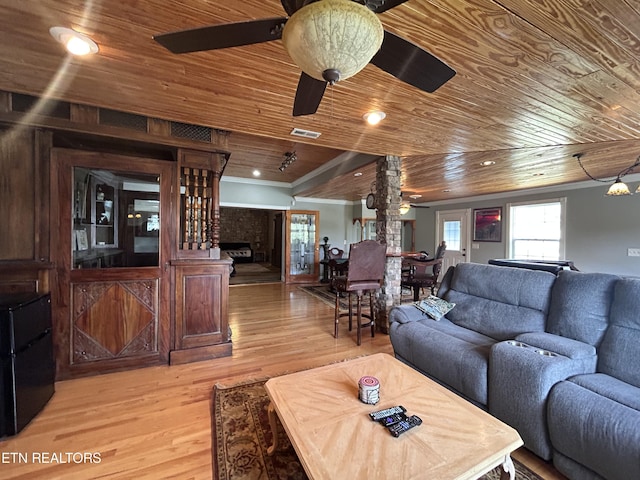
(404, 208)
(76, 43)
(374, 117)
(332, 40)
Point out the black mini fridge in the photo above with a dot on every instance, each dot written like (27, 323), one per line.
(27, 365)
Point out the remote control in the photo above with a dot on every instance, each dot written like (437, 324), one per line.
(404, 425)
(392, 419)
(380, 414)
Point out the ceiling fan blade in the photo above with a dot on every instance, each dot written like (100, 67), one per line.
(411, 64)
(385, 5)
(308, 95)
(225, 35)
(413, 205)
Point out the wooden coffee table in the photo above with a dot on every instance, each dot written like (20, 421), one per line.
(331, 431)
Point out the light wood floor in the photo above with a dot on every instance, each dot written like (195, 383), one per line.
(155, 422)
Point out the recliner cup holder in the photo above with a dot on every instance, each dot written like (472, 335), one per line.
(517, 344)
(546, 353)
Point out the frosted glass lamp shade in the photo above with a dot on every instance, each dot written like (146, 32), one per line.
(332, 40)
(617, 189)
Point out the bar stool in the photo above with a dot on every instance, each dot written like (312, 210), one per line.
(364, 276)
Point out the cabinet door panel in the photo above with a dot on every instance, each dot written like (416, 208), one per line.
(114, 320)
(201, 317)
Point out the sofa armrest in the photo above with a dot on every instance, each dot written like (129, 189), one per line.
(521, 375)
(406, 314)
(548, 342)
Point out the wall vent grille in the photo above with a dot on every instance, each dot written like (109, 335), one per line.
(299, 132)
(47, 108)
(192, 132)
(114, 118)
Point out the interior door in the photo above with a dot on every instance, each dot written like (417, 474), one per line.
(453, 228)
(302, 246)
(111, 252)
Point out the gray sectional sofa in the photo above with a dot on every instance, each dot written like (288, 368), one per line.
(556, 357)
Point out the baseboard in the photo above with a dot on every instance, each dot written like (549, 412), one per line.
(177, 357)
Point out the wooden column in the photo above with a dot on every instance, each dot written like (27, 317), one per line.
(388, 230)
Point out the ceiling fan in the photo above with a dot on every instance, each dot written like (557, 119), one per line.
(360, 36)
(406, 205)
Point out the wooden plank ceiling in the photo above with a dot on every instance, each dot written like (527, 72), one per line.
(537, 81)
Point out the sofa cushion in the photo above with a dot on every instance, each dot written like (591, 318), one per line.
(499, 302)
(580, 304)
(610, 387)
(619, 353)
(594, 430)
(454, 356)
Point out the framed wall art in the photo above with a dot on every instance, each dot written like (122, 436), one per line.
(487, 224)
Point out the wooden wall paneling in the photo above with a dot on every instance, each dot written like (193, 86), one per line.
(24, 210)
(5, 101)
(42, 182)
(84, 114)
(18, 193)
(60, 244)
(155, 126)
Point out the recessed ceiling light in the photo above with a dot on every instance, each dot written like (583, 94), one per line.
(256, 173)
(374, 117)
(75, 43)
(357, 174)
(487, 163)
(415, 196)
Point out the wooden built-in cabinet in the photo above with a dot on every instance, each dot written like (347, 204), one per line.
(201, 277)
(151, 288)
(122, 228)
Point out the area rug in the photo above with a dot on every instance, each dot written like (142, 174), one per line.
(242, 435)
(323, 293)
(244, 268)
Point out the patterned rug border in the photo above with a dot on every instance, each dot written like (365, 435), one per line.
(285, 460)
(325, 296)
(321, 293)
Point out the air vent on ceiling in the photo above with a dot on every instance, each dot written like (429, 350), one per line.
(115, 118)
(299, 132)
(48, 108)
(192, 132)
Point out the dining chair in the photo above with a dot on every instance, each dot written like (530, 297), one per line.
(424, 273)
(364, 276)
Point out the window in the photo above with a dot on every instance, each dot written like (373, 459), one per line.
(537, 230)
(451, 234)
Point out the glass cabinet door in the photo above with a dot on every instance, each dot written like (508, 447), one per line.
(303, 246)
(116, 219)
